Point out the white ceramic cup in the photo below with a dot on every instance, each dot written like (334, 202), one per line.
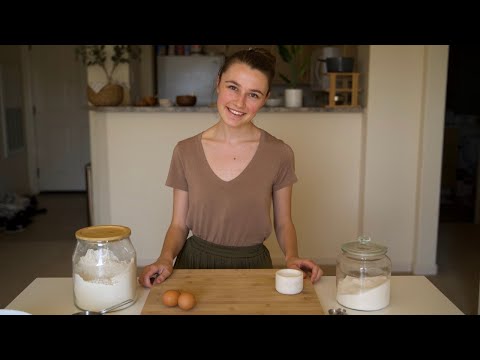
(289, 281)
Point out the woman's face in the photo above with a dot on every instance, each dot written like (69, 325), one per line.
(241, 92)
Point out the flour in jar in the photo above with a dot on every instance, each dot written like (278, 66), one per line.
(98, 287)
(368, 293)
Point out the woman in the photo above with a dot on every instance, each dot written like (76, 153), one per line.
(225, 179)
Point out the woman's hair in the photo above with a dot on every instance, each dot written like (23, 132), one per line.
(257, 58)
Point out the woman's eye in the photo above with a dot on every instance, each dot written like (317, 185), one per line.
(232, 87)
(253, 95)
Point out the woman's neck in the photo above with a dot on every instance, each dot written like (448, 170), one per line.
(221, 132)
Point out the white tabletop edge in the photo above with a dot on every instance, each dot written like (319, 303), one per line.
(410, 295)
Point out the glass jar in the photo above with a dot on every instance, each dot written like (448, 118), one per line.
(363, 275)
(104, 267)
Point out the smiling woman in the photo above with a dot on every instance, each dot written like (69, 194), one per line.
(226, 179)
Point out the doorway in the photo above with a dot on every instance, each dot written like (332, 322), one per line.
(458, 248)
(460, 201)
(60, 112)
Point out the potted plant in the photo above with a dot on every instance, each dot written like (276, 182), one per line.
(96, 55)
(293, 55)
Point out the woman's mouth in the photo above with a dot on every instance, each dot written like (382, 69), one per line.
(235, 112)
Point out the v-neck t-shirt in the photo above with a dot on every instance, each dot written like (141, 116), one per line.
(234, 212)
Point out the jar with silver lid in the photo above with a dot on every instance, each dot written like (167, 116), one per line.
(104, 267)
(363, 275)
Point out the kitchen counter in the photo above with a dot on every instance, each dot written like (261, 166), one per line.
(412, 295)
(210, 109)
(328, 192)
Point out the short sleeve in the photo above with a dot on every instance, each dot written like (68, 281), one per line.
(176, 175)
(286, 173)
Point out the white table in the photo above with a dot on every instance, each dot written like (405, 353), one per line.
(409, 295)
(413, 295)
(54, 296)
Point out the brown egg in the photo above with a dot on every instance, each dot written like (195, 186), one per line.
(170, 297)
(186, 300)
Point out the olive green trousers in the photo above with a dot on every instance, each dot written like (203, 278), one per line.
(201, 254)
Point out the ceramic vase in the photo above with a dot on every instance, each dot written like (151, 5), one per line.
(293, 97)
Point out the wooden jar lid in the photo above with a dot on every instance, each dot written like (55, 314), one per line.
(103, 233)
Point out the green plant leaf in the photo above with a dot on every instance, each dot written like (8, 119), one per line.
(284, 78)
(284, 53)
(91, 55)
(293, 55)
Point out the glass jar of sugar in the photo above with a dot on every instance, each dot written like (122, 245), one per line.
(104, 267)
(363, 275)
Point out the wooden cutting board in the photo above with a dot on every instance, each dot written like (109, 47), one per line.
(232, 292)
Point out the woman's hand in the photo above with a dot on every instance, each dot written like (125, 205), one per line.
(307, 266)
(155, 273)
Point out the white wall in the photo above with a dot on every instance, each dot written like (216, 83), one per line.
(404, 125)
(328, 163)
(392, 137)
(131, 154)
(430, 159)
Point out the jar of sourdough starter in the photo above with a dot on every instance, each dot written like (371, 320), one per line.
(104, 267)
(363, 275)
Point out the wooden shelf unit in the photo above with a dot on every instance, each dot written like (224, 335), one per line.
(343, 84)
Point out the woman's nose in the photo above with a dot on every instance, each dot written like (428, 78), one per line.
(240, 100)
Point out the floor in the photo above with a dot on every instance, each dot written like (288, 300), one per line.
(45, 248)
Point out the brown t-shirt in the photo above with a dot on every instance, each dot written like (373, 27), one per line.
(235, 212)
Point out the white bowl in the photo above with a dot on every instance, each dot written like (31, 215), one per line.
(13, 312)
(165, 102)
(272, 102)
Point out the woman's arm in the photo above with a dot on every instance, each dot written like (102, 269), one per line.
(287, 235)
(282, 221)
(174, 240)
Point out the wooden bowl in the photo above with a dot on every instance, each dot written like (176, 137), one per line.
(186, 100)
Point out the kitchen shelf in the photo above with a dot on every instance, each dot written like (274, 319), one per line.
(343, 85)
